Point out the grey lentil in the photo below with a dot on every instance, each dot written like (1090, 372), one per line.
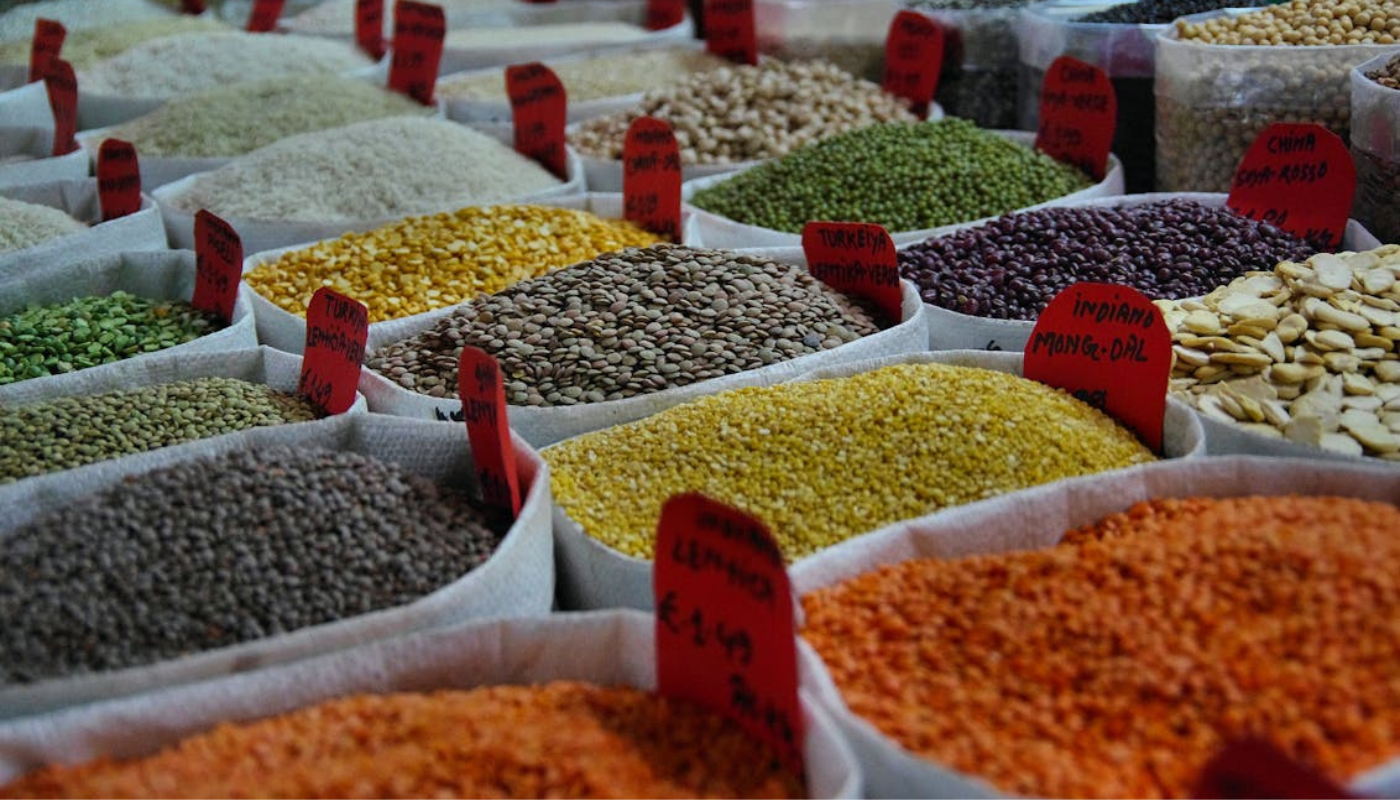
(25, 225)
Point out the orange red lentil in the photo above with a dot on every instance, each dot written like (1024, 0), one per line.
(563, 739)
(1116, 663)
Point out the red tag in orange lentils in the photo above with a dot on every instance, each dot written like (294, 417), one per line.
(537, 105)
(265, 14)
(218, 265)
(724, 620)
(118, 179)
(857, 259)
(729, 30)
(48, 43)
(1108, 346)
(913, 59)
(62, 87)
(336, 329)
(369, 27)
(1078, 113)
(419, 31)
(651, 177)
(1255, 768)
(1300, 177)
(484, 408)
(662, 14)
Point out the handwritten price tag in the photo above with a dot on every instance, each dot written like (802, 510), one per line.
(1298, 176)
(1257, 769)
(1108, 346)
(484, 407)
(118, 179)
(662, 14)
(265, 15)
(724, 620)
(913, 59)
(729, 30)
(538, 104)
(651, 177)
(48, 43)
(1078, 113)
(857, 259)
(369, 27)
(419, 31)
(62, 87)
(336, 329)
(218, 258)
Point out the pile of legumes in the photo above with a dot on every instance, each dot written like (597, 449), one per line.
(294, 537)
(599, 76)
(367, 170)
(1012, 267)
(87, 331)
(1158, 12)
(24, 224)
(823, 461)
(1306, 352)
(443, 259)
(631, 323)
(560, 739)
(1249, 616)
(903, 176)
(748, 113)
(76, 15)
(85, 47)
(1388, 75)
(68, 432)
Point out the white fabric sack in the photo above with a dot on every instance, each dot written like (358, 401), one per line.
(40, 166)
(607, 648)
(456, 58)
(78, 199)
(27, 105)
(1037, 518)
(518, 579)
(593, 575)
(718, 231)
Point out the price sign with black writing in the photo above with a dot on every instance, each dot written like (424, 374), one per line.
(484, 408)
(913, 59)
(662, 14)
(1078, 114)
(118, 179)
(1108, 346)
(48, 43)
(729, 30)
(857, 259)
(1298, 176)
(538, 105)
(264, 15)
(419, 31)
(336, 329)
(193, 6)
(369, 27)
(218, 258)
(1255, 768)
(651, 177)
(724, 620)
(62, 87)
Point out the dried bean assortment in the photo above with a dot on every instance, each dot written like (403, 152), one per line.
(1117, 663)
(224, 550)
(84, 47)
(903, 176)
(631, 323)
(744, 113)
(24, 224)
(88, 331)
(560, 739)
(595, 77)
(823, 461)
(443, 259)
(1012, 267)
(68, 432)
(1306, 352)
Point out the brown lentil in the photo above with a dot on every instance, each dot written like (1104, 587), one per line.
(1117, 663)
(562, 739)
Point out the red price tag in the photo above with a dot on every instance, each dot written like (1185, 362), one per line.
(1257, 769)
(1298, 176)
(537, 104)
(264, 16)
(724, 620)
(1108, 346)
(1078, 113)
(651, 177)
(218, 258)
(118, 179)
(48, 43)
(336, 330)
(857, 259)
(369, 27)
(913, 59)
(729, 30)
(192, 6)
(419, 30)
(662, 14)
(62, 87)
(484, 407)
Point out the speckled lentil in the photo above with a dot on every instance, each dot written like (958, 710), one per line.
(84, 47)
(823, 461)
(560, 739)
(631, 323)
(27, 224)
(1117, 663)
(596, 77)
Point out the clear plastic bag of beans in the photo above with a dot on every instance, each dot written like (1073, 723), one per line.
(517, 578)
(77, 197)
(1037, 519)
(1375, 149)
(26, 156)
(980, 65)
(848, 33)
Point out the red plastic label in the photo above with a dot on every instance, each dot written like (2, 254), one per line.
(192, 6)
(729, 30)
(336, 329)
(913, 59)
(484, 407)
(858, 259)
(265, 15)
(369, 27)
(538, 105)
(419, 31)
(1257, 769)
(48, 43)
(1108, 346)
(218, 258)
(62, 87)
(662, 14)
(651, 177)
(1298, 176)
(724, 620)
(118, 179)
(1078, 113)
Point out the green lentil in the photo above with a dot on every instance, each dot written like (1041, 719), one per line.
(83, 48)
(903, 176)
(25, 225)
(823, 461)
(68, 432)
(88, 331)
